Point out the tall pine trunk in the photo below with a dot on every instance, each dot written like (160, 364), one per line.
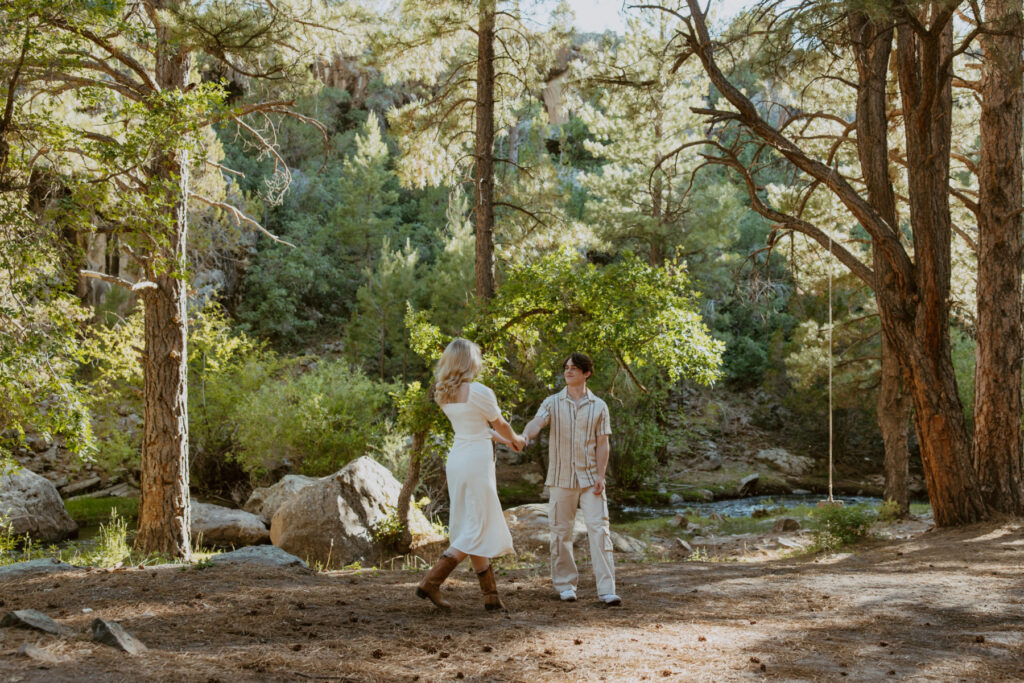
(872, 48)
(916, 319)
(484, 167)
(997, 389)
(894, 408)
(164, 518)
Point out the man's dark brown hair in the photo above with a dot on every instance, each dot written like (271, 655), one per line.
(581, 361)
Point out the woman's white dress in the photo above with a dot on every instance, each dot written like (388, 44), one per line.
(476, 525)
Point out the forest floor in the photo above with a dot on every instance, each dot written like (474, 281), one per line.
(940, 605)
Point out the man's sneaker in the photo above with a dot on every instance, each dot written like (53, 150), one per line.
(568, 595)
(610, 599)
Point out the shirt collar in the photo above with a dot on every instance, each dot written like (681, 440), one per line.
(587, 397)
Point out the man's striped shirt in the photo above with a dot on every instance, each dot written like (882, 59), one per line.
(572, 443)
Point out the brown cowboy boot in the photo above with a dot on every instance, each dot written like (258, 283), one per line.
(490, 589)
(430, 586)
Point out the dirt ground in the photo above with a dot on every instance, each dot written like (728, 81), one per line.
(944, 605)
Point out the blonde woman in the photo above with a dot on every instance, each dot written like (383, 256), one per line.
(476, 525)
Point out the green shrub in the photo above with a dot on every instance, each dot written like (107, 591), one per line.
(313, 421)
(635, 444)
(839, 526)
(889, 511)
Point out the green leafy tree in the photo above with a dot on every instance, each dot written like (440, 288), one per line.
(478, 64)
(127, 71)
(637, 108)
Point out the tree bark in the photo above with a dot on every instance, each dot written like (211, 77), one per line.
(872, 48)
(894, 410)
(997, 389)
(912, 294)
(164, 515)
(484, 166)
(412, 479)
(922, 340)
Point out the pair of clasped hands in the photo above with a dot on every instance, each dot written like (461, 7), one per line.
(520, 441)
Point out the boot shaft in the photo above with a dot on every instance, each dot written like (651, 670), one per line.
(489, 587)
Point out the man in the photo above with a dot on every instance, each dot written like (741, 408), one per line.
(577, 461)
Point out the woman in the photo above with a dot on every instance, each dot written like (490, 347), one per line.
(476, 524)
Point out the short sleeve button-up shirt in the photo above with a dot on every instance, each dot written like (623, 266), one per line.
(572, 443)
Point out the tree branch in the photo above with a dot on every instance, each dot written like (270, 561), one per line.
(239, 217)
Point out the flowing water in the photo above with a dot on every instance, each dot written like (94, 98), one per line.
(735, 507)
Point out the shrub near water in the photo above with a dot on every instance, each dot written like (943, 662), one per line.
(839, 526)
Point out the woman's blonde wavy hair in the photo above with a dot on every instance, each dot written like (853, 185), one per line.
(460, 362)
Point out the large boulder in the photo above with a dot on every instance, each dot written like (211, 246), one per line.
(31, 504)
(265, 501)
(332, 521)
(785, 462)
(213, 525)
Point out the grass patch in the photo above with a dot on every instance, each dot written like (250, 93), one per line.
(520, 493)
(642, 527)
(111, 547)
(643, 497)
(920, 508)
(89, 511)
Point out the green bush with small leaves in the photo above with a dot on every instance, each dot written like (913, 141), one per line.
(839, 526)
(313, 419)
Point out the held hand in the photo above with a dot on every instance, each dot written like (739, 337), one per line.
(519, 443)
(599, 486)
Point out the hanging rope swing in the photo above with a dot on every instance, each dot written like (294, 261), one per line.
(830, 502)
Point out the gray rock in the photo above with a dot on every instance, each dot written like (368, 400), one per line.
(530, 527)
(265, 501)
(113, 634)
(80, 486)
(40, 654)
(332, 521)
(627, 544)
(747, 485)
(675, 499)
(31, 619)
(45, 565)
(711, 463)
(684, 545)
(122, 490)
(675, 449)
(265, 555)
(223, 527)
(32, 506)
(532, 478)
(785, 462)
(680, 520)
(786, 524)
(38, 443)
(705, 495)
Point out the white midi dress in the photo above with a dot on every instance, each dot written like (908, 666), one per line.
(476, 524)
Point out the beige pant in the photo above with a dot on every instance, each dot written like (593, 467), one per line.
(562, 505)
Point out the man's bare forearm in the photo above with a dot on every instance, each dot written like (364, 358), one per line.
(532, 428)
(601, 455)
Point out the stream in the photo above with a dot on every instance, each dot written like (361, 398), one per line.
(735, 507)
